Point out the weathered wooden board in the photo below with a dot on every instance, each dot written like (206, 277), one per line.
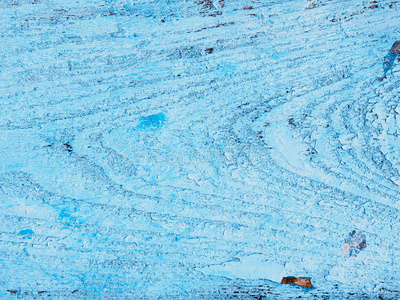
(181, 150)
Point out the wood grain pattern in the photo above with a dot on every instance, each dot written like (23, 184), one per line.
(133, 156)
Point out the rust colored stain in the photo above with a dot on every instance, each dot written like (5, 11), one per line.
(304, 282)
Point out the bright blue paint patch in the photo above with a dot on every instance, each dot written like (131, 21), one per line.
(152, 122)
(66, 215)
(26, 232)
(227, 69)
(278, 56)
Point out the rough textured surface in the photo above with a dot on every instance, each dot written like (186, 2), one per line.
(144, 142)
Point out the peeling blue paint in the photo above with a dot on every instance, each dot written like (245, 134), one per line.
(26, 232)
(152, 122)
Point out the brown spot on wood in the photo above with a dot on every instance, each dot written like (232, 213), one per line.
(304, 282)
(209, 50)
(247, 7)
(12, 291)
(373, 6)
